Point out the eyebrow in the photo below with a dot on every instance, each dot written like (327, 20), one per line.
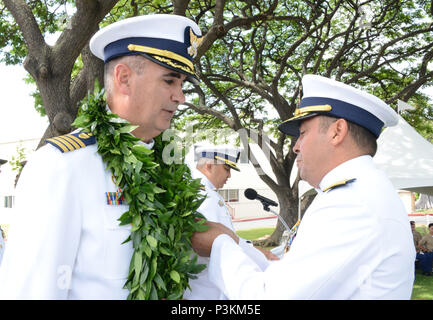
(172, 74)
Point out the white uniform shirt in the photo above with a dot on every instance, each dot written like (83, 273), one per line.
(66, 242)
(215, 210)
(354, 242)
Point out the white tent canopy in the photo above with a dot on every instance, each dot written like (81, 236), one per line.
(406, 157)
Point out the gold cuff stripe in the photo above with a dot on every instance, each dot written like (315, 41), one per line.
(164, 53)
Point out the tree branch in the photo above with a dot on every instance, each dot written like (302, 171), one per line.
(84, 23)
(24, 17)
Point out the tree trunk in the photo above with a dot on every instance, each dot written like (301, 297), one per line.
(424, 202)
(51, 66)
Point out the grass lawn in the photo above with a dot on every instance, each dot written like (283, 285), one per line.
(253, 234)
(422, 287)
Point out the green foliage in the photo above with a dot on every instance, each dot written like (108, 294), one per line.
(422, 287)
(16, 162)
(257, 67)
(163, 200)
(422, 117)
(50, 16)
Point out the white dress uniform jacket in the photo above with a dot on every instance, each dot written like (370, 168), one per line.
(66, 242)
(354, 242)
(2, 247)
(215, 210)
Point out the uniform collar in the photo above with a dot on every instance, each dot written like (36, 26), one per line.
(147, 145)
(346, 170)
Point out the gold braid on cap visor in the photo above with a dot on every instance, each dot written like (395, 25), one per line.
(300, 112)
(227, 162)
(163, 53)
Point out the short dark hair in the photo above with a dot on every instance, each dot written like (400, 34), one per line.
(431, 224)
(135, 62)
(363, 138)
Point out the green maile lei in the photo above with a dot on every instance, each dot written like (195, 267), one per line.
(163, 200)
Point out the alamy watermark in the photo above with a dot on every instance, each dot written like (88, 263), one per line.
(181, 142)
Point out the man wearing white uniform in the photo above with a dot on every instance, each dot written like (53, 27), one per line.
(213, 168)
(66, 242)
(2, 241)
(354, 241)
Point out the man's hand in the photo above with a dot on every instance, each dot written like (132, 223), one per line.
(268, 254)
(202, 241)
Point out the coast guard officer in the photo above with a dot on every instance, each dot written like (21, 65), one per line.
(213, 168)
(354, 241)
(66, 242)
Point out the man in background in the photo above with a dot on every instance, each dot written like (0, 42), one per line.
(214, 167)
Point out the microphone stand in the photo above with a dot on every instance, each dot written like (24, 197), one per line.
(287, 235)
(266, 208)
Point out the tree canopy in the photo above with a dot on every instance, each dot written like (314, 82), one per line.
(251, 61)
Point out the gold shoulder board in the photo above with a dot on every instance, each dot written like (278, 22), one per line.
(72, 141)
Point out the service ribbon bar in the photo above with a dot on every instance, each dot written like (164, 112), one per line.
(114, 198)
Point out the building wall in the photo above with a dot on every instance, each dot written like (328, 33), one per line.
(406, 198)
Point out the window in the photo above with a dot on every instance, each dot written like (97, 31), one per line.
(9, 201)
(229, 195)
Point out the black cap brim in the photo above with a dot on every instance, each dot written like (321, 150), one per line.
(290, 127)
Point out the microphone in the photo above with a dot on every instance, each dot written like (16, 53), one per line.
(252, 195)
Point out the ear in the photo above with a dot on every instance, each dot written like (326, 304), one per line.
(206, 166)
(338, 131)
(122, 78)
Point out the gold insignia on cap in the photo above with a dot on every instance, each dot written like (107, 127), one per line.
(195, 43)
